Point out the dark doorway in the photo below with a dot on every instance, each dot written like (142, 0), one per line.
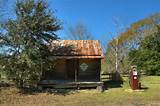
(71, 67)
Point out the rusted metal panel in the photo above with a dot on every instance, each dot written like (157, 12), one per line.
(79, 48)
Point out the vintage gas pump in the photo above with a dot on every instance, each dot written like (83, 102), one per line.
(134, 80)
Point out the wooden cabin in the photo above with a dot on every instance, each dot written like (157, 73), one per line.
(77, 63)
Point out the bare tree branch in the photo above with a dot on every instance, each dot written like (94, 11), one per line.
(79, 32)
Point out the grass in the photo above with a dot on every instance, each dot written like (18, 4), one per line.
(115, 96)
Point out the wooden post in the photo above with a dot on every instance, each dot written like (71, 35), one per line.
(75, 63)
(100, 71)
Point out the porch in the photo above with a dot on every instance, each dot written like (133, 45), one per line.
(70, 84)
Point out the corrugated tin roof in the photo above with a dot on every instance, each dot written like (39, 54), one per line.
(80, 48)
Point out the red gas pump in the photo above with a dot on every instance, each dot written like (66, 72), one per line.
(134, 80)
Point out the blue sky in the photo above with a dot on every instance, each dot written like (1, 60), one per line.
(98, 15)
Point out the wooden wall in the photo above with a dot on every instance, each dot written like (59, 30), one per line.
(93, 70)
(59, 71)
(65, 70)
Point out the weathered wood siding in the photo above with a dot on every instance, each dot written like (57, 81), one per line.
(93, 70)
(60, 69)
(65, 70)
(71, 67)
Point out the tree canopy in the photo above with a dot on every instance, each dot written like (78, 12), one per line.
(148, 54)
(25, 40)
(129, 40)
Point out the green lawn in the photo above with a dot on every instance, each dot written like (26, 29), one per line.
(114, 96)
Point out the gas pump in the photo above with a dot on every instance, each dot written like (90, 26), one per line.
(134, 78)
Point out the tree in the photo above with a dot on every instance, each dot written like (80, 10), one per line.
(79, 32)
(130, 40)
(25, 40)
(148, 54)
(115, 52)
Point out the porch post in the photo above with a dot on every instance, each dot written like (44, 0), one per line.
(75, 70)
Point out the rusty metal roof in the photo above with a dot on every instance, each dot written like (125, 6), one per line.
(76, 49)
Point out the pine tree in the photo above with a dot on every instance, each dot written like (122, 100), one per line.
(25, 40)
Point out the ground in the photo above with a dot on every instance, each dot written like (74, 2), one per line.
(116, 95)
